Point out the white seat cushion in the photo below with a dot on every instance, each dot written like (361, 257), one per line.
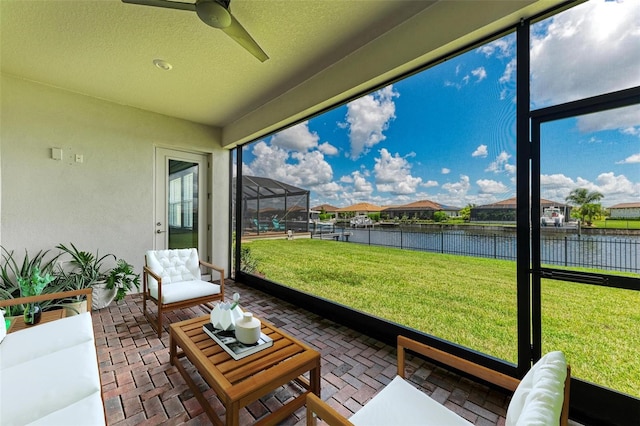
(539, 396)
(186, 290)
(88, 411)
(34, 342)
(399, 403)
(49, 375)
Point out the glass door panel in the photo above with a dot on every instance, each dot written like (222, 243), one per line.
(181, 201)
(183, 204)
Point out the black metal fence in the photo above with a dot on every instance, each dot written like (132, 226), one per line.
(600, 252)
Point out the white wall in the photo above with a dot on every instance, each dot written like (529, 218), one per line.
(625, 212)
(105, 203)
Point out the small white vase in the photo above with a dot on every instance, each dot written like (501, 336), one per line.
(225, 319)
(248, 329)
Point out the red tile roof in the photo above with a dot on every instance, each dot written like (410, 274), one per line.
(626, 206)
(361, 207)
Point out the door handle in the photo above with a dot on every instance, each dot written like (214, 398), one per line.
(159, 231)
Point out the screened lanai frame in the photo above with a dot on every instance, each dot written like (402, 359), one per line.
(583, 394)
(269, 205)
(590, 399)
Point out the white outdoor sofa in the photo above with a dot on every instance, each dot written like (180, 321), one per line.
(541, 398)
(49, 372)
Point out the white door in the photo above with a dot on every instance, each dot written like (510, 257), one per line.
(181, 200)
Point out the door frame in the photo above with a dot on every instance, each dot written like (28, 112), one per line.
(162, 155)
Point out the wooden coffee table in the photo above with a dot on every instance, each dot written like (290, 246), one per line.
(238, 383)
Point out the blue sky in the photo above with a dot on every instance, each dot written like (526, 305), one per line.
(448, 134)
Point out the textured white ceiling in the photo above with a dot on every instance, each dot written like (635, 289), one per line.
(105, 48)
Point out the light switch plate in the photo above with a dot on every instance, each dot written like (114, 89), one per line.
(56, 153)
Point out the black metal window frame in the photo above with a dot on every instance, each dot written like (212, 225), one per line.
(589, 402)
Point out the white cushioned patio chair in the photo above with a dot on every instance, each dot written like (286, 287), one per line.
(172, 279)
(540, 398)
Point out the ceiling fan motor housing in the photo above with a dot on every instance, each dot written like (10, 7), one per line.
(214, 13)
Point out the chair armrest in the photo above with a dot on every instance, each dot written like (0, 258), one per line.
(503, 380)
(146, 270)
(219, 269)
(49, 296)
(318, 408)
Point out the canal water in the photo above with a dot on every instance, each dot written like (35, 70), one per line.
(608, 252)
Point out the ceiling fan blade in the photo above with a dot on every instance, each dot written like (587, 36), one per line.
(164, 3)
(237, 32)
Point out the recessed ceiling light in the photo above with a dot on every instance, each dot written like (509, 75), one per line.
(163, 65)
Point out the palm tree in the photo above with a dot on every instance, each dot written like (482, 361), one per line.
(581, 197)
(591, 211)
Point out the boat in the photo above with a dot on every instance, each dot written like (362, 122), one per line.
(552, 216)
(361, 221)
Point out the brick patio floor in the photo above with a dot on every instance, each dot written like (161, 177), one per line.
(141, 388)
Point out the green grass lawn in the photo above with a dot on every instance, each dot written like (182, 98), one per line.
(467, 300)
(616, 224)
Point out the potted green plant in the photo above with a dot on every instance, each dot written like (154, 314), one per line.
(123, 278)
(11, 276)
(33, 286)
(88, 271)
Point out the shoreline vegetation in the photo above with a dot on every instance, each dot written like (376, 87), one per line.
(467, 300)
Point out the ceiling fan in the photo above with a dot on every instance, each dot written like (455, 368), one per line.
(214, 13)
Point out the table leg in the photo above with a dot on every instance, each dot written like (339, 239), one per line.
(172, 347)
(232, 415)
(315, 379)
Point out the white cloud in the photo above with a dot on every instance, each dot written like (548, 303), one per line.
(311, 169)
(481, 151)
(558, 180)
(509, 71)
(303, 169)
(445, 171)
(368, 117)
(500, 164)
(328, 190)
(480, 73)
(621, 118)
(268, 162)
(501, 48)
(581, 45)
(612, 185)
(458, 189)
(616, 189)
(632, 159)
(296, 138)
(327, 149)
(489, 186)
(393, 174)
(510, 168)
(429, 183)
(448, 83)
(362, 188)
